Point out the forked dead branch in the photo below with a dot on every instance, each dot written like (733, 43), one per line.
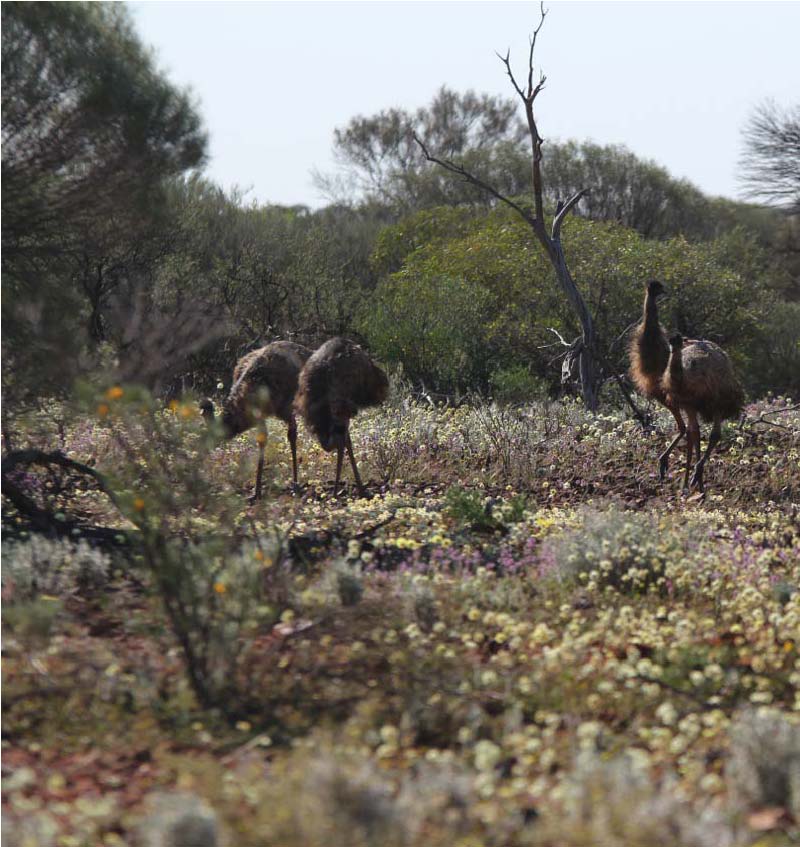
(586, 347)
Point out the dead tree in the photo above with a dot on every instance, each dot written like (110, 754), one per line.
(586, 345)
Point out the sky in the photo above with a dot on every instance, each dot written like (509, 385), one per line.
(673, 81)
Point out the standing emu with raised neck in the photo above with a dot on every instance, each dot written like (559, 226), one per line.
(649, 355)
(339, 380)
(264, 385)
(700, 380)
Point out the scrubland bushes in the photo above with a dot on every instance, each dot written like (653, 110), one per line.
(503, 302)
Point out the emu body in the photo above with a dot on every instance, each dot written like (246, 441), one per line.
(701, 382)
(264, 385)
(338, 380)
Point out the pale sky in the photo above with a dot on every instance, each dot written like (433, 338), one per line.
(674, 81)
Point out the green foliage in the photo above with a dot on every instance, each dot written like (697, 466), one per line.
(90, 131)
(33, 619)
(433, 325)
(516, 384)
(476, 298)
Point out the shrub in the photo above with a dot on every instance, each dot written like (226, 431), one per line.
(764, 767)
(56, 568)
(623, 551)
(516, 384)
(616, 804)
(472, 509)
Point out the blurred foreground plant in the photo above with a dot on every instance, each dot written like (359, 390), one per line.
(217, 588)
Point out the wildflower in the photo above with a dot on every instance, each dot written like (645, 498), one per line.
(261, 438)
(103, 409)
(220, 588)
(174, 405)
(114, 393)
(138, 504)
(487, 755)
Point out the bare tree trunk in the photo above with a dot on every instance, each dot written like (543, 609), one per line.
(588, 355)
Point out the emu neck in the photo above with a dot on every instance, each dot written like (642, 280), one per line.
(652, 343)
(651, 324)
(676, 367)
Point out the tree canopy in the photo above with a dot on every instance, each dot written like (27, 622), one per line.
(771, 160)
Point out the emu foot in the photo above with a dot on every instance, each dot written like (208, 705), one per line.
(697, 479)
(663, 467)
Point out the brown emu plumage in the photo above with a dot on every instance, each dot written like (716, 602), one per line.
(649, 347)
(264, 385)
(700, 381)
(275, 368)
(338, 380)
(649, 354)
(700, 377)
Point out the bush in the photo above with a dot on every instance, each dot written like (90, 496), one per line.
(622, 551)
(516, 384)
(56, 568)
(764, 767)
(617, 804)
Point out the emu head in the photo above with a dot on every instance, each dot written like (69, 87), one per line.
(655, 288)
(207, 409)
(676, 341)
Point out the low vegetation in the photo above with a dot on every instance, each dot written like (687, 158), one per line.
(521, 637)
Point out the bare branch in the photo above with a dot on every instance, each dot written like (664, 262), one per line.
(531, 91)
(563, 210)
(507, 62)
(471, 178)
(560, 337)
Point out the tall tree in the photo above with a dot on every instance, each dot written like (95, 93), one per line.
(380, 163)
(89, 125)
(771, 159)
(90, 131)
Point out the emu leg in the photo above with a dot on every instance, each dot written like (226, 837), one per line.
(692, 439)
(359, 484)
(663, 459)
(292, 436)
(260, 470)
(713, 440)
(339, 457)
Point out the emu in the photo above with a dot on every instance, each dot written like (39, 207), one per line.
(700, 380)
(264, 385)
(338, 380)
(649, 354)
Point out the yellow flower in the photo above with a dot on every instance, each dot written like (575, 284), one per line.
(173, 405)
(138, 504)
(103, 410)
(114, 393)
(220, 588)
(187, 411)
(261, 438)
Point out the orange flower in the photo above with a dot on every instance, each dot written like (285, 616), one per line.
(220, 588)
(173, 405)
(259, 556)
(103, 409)
(261, 438)
(138, 504)
(114, 393)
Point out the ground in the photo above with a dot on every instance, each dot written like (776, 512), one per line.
(522, 636)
